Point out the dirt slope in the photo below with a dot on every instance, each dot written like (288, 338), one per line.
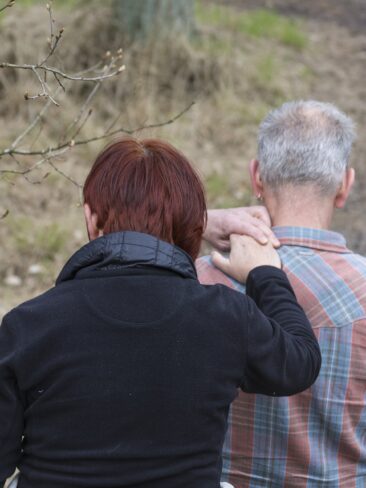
(338, 60)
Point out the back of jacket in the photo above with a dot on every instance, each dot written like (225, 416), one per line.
(122, 376)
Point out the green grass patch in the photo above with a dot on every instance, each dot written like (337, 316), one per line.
(220, 193)
(212, 45)
(42, 242)
(267, 69)
(216, 186)
(260, 23)
(265, 79)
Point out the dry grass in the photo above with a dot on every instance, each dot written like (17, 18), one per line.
(233, 71)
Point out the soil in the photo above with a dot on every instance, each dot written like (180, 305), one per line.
(45, 223)
(346, 13)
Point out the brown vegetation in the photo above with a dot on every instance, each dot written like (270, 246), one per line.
(233, 71)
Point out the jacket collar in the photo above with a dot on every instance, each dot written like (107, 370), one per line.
(324, 240)
(126, 249)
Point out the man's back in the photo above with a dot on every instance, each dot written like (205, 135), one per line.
(315, 438)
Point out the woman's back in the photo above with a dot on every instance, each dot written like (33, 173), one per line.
(128, 371)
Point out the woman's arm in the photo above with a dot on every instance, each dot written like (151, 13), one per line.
(283, 355)
(11, 410)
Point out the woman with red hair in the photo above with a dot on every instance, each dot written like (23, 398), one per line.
(122, 374)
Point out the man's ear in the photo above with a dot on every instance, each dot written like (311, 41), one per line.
(255, 177)
(344, 190)
(91, 220)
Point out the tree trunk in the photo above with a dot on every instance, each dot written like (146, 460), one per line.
(141, 19)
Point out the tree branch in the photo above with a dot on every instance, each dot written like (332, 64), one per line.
(25, 145)
(6, 213)
(54, 40)
(8, 5)
(60, 73)
(67, 177)
(110, 133)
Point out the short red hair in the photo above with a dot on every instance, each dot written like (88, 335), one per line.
(147, 186)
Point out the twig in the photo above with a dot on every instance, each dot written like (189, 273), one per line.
(38, 135)
(60, 73)
(80, 128)
(67, 177)
(16, 160)
(6, 213)
(54, 40)
(59, 82)
(110, 133)
(37, 118)
(45, 90)
(57, 73)
(8, 5)
(114, 121)
(96, 75)
(35, 165)
(82, 110)
(35, 182)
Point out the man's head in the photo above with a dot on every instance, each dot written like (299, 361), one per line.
(303, 150)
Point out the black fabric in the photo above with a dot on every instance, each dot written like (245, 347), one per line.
(122, 374)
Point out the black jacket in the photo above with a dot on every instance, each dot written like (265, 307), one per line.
(122, 374)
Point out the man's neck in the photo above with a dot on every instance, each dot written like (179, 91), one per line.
(300, 210)
(311, 221)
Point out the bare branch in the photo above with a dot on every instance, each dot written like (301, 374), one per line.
(6, 213)
(35, 182)
(107, 134)
(38, 134)
(59, 82)
(8, 5)
(60, 73)
(45, 90)
(53, 43)
(38, 118)
(80, 128)
(36, 165)
(96, 75)
(64, 175)
(81, 111)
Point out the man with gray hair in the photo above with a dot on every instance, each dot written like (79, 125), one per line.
(316, 438)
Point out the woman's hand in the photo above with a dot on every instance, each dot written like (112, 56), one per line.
(245, 255)
(251, 221)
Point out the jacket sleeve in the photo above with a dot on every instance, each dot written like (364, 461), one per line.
(11, 410)
(283, 354)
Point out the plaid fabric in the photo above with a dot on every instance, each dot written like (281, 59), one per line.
(316, 438)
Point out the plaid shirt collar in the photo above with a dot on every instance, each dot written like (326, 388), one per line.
(324, 240)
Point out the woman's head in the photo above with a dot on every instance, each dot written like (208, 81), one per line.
(146, 186)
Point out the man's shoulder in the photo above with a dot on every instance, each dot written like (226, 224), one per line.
(345, 265)
(357, 259)
(208, 274)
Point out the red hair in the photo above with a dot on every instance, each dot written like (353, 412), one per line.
(147, 186)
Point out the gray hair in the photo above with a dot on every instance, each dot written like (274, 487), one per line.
(305, 142)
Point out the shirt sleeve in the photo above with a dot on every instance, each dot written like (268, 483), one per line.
(11, 410)
(283, 354)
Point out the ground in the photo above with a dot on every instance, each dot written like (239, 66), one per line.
(243, 62)
(338, 30)
(346, 13)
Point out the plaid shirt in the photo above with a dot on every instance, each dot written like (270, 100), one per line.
(316, 438)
